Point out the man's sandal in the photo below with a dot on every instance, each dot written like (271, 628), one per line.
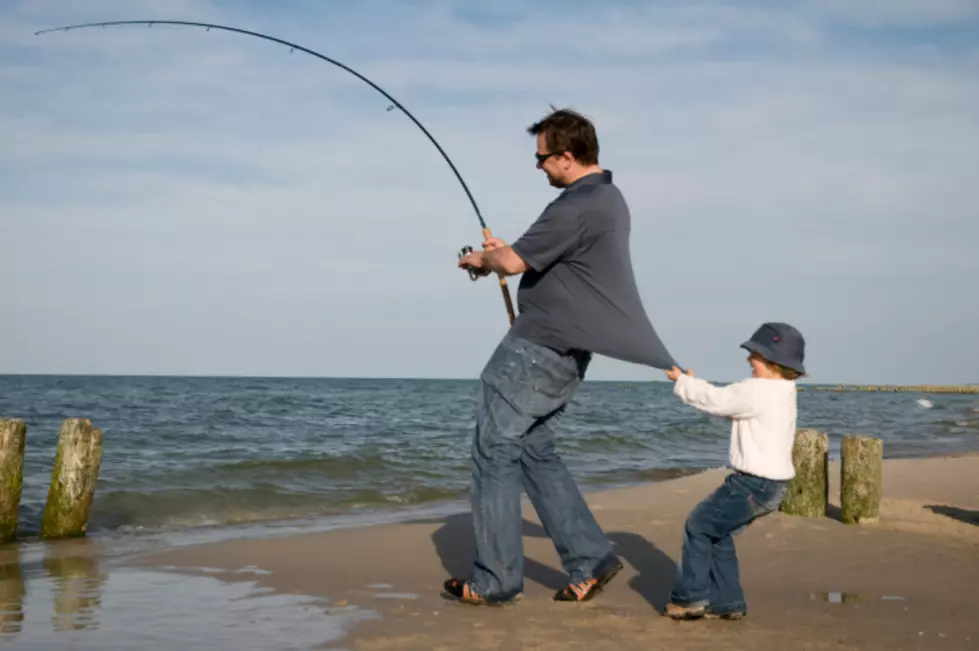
(588, 589)
(461, 591)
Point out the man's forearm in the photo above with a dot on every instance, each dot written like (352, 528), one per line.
(503, 261)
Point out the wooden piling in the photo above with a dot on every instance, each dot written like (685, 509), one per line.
(861, 478)
(76, 470)
(808, 492)
(13, 434)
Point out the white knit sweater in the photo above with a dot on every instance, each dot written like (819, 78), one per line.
(763, 415)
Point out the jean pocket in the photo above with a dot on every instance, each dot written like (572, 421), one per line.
(504, 367)
(553, 378)
(533, 380)
(768, 500)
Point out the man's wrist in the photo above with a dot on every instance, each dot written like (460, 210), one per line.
(488, 261)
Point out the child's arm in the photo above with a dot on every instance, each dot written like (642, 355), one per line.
(733, 401)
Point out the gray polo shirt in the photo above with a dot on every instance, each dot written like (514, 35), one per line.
(580, 290)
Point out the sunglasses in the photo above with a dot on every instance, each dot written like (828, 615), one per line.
(543, 157)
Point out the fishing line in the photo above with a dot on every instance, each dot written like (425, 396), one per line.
(292, 47)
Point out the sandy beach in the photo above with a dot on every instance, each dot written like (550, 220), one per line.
(906, 582)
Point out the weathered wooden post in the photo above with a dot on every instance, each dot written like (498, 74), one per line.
(13, 433)
(861, 478)
(808, 492)
(76, 470)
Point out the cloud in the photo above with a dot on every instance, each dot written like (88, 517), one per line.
(177, 201)
(897, 13)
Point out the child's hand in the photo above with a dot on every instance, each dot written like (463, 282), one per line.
(674, 373)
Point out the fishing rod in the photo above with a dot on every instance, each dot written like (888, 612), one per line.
(487, 233)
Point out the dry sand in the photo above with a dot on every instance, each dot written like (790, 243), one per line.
(906, 582)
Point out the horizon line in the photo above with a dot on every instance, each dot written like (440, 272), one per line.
(432, 379)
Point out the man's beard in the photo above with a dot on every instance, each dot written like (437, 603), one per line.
(555, 182)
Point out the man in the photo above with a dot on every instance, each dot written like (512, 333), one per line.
(577, 297)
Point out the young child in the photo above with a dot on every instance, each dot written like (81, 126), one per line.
(762, 410)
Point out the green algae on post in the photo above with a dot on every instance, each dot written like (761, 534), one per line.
(76, 470)
(808, 491)
(13, 433)
(861, 478)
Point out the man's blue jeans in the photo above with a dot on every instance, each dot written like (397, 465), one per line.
(708, 572)
(525, 388)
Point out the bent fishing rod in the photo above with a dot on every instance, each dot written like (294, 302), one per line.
(292, 47)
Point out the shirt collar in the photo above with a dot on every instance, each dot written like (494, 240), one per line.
(595, 178)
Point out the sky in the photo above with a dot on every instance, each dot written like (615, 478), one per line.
(183, 202)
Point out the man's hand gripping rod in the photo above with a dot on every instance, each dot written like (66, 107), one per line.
(474, 276)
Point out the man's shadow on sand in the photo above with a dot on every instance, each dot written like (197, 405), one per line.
(655, 570)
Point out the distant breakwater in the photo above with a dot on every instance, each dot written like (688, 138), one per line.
(877, 388)
(923, 388)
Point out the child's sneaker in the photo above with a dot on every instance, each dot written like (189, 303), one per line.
(678, 612)
(732, 616)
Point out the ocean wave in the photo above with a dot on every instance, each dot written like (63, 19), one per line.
(178, 508)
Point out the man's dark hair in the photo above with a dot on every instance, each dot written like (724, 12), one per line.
(568, 131)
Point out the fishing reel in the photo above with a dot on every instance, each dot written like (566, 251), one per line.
(463, 252)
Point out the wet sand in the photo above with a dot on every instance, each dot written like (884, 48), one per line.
(906, 582)
(81, 595)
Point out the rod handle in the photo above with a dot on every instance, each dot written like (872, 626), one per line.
(487, 233)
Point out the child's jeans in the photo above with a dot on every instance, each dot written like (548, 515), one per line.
(708, 571)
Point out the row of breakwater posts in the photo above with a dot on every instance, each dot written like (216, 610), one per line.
(861, 477)
(73, 477)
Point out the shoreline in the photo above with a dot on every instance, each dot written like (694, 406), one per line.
(276, 527)
(377, 516)
(391, 573)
